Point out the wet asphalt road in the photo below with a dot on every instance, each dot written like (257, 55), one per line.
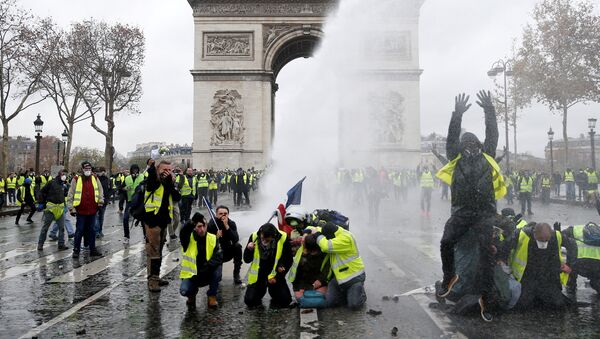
(49, 295)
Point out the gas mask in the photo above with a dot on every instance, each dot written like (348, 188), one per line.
(470, 145)
(63, 178)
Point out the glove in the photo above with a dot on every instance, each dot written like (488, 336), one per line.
(557, 226)
(40, 207)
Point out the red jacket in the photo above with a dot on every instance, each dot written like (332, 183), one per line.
(88, 205)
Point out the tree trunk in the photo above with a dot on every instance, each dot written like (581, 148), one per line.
(108, 149)
(515, 136)
(565, 137)
(4, 167)
(67, 158)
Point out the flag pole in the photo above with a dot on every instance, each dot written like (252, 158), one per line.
(210, 212)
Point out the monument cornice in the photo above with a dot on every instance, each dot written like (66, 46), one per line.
(262, 8)
(232, 75)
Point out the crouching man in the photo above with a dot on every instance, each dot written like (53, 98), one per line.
(309, 274)
(270, 256)
(201, 261)
(348, 285)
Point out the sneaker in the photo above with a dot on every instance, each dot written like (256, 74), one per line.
(75, 255)
(71, 236)
(447, 286)
(485, 315)
(40, 247)
(163, 282)
(29, 221)
(62, 247)
(126, 241)
(191, 302)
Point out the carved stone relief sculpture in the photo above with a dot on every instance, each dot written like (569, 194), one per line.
(224, 45)
(386, 118)
(227, 118)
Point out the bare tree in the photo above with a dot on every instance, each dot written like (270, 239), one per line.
(24, 57)
(556, 54)
(66, 83)
(113, 58)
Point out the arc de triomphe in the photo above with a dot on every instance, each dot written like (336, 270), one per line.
(240, 47)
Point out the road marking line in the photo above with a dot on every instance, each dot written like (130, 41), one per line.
(440, 320)
(36, 331)
(85, 271)
(19, 251)
(376, 251)
(309, 324)
(391, 265)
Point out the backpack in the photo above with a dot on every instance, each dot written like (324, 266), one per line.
(138, 204)
(591, 234)
(321, 217)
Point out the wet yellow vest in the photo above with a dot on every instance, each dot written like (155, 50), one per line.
(255, 265)
(188, 258)
(426, 180)
(519, 257)
(22, 194)
(79, 190)
(584, 250)
(344, 258)
(152, 204)
(526, 185)
(445, 175)
(186, 189)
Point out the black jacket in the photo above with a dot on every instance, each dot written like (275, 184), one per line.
(472, 184)
(230, 237)
(202, 264)
(163, 217)
(266, 263)
(53, 191)
(105, 182)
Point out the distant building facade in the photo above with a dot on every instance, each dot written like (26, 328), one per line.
(580, 152)
(21, 153)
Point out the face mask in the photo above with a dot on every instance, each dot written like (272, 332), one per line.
(87, 173)
(63, 178)
(542, 245)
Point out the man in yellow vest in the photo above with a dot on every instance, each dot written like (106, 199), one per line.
(270, 257)
(569, 179)
(202, 188)
(588, 257)
(592, 184)
(426, 181)
(26, 197)
(84, 199)
(201, 261)
(45, 178)
(2, 191)
(187, 187)
(158, 205)
(11, 188)
(546, 187)
(536, 262)
(131, 182)
(525, 187)
(476, 183)
(348, 283)
(52, 202)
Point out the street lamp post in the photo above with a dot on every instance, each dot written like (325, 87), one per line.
(57, 152)
(65, 139)
(504, 67)
(551, 137)
(592, 125)
(38, 123)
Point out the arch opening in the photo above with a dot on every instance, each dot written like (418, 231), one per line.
(299, 47)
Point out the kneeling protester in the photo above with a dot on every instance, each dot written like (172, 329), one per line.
(309, 274)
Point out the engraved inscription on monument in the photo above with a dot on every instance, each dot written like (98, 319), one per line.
(229, 45)
(227, 118)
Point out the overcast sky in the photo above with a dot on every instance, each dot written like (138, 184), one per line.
(459, 40)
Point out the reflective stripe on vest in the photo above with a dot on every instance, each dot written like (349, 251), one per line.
(546, 182)
(519, 259)
(22, 194)
(569, 177)
(255, 265)
(345, 260)
(426, 180)
(592, 177)
(79, 190)
(584, 250)
(186, 189)
(188, 258)
(526, 185)
(202, 182)
(11, 183)
(154, 203)
(296, 263)
(445, 175)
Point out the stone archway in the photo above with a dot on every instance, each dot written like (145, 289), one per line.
(240, 47)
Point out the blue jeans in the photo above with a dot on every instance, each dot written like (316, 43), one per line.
(68, 226)
(351, 293)
(100, 221)
(84, 227)
(570, 190)
(189, 287)
(126, 221)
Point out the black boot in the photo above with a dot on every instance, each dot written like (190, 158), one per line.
(236, 273)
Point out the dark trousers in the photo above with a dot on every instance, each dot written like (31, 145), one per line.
(212, 197)
(100, 220)
(126, 220)
(189, 287)
(238, 197)
(545, 195)
(588, 268)
(233, 252)
(279, 291)
(525, 198)
(122, 200)
(540, 294)
(455, 228)
(351, 293)
(84, 227)
(426, 199)
(445, 189)
(2, 199)
(202, 192)
(185, 208)
(31, 210)
(11, 195)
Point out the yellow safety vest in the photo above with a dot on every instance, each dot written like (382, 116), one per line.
(153, 204)
(56, 209)
(186, 189)
(130, 185)
(344, 258)
(519, 257)
(188, 258)
(592, 177)
(213, 184)
(426, 180)
(11, 184)
(526, 185)
(202, 182)
(44, 180)
(2, 186)
(79, 190)
(584, 250)
(296, 263)
(546, 182)
(22, 194)
(569, 177)
(521, 224)
(255, 265)
(446, 172)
